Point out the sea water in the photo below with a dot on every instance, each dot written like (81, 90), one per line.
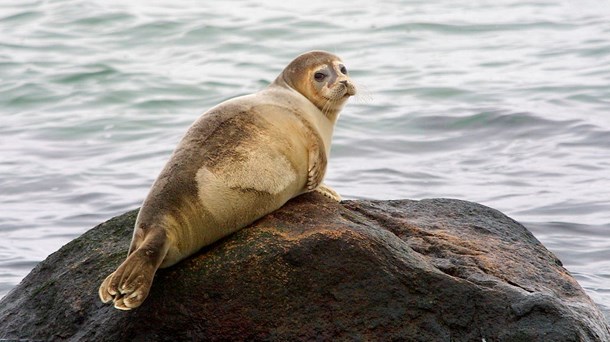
(505, 103)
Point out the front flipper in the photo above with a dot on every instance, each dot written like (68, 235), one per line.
(317, 165)
(328, 192)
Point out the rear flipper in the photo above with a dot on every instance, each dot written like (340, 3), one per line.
(129, 285)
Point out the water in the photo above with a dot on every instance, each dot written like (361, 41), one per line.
(504, 102)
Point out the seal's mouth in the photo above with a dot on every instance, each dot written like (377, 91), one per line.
(341, 92)
(350, 90)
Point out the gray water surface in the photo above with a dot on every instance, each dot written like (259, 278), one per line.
(505, 103)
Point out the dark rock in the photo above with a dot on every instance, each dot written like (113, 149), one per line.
(431, 270)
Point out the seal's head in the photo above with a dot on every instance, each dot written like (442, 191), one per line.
(322, 78)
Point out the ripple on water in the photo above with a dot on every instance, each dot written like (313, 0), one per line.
(503, 103)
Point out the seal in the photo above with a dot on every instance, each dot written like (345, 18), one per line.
(241, 160)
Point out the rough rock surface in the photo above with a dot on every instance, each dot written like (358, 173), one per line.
(430, 270)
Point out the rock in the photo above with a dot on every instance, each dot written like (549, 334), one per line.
(430, 270)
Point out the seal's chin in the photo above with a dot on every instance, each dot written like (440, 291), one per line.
(338, 98)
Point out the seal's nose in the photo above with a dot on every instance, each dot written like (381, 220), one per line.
(344, 82)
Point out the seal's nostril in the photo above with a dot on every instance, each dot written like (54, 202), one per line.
(344, 82)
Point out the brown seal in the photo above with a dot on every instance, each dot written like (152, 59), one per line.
(239, 161)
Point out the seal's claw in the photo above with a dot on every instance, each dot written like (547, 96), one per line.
(328, 192)
(104, 292)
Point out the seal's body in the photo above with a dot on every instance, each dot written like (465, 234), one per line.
(238, 162)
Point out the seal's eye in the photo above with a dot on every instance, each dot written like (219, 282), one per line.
(319, 76)
(343, 70)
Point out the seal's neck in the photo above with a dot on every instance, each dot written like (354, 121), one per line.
(332, 110)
